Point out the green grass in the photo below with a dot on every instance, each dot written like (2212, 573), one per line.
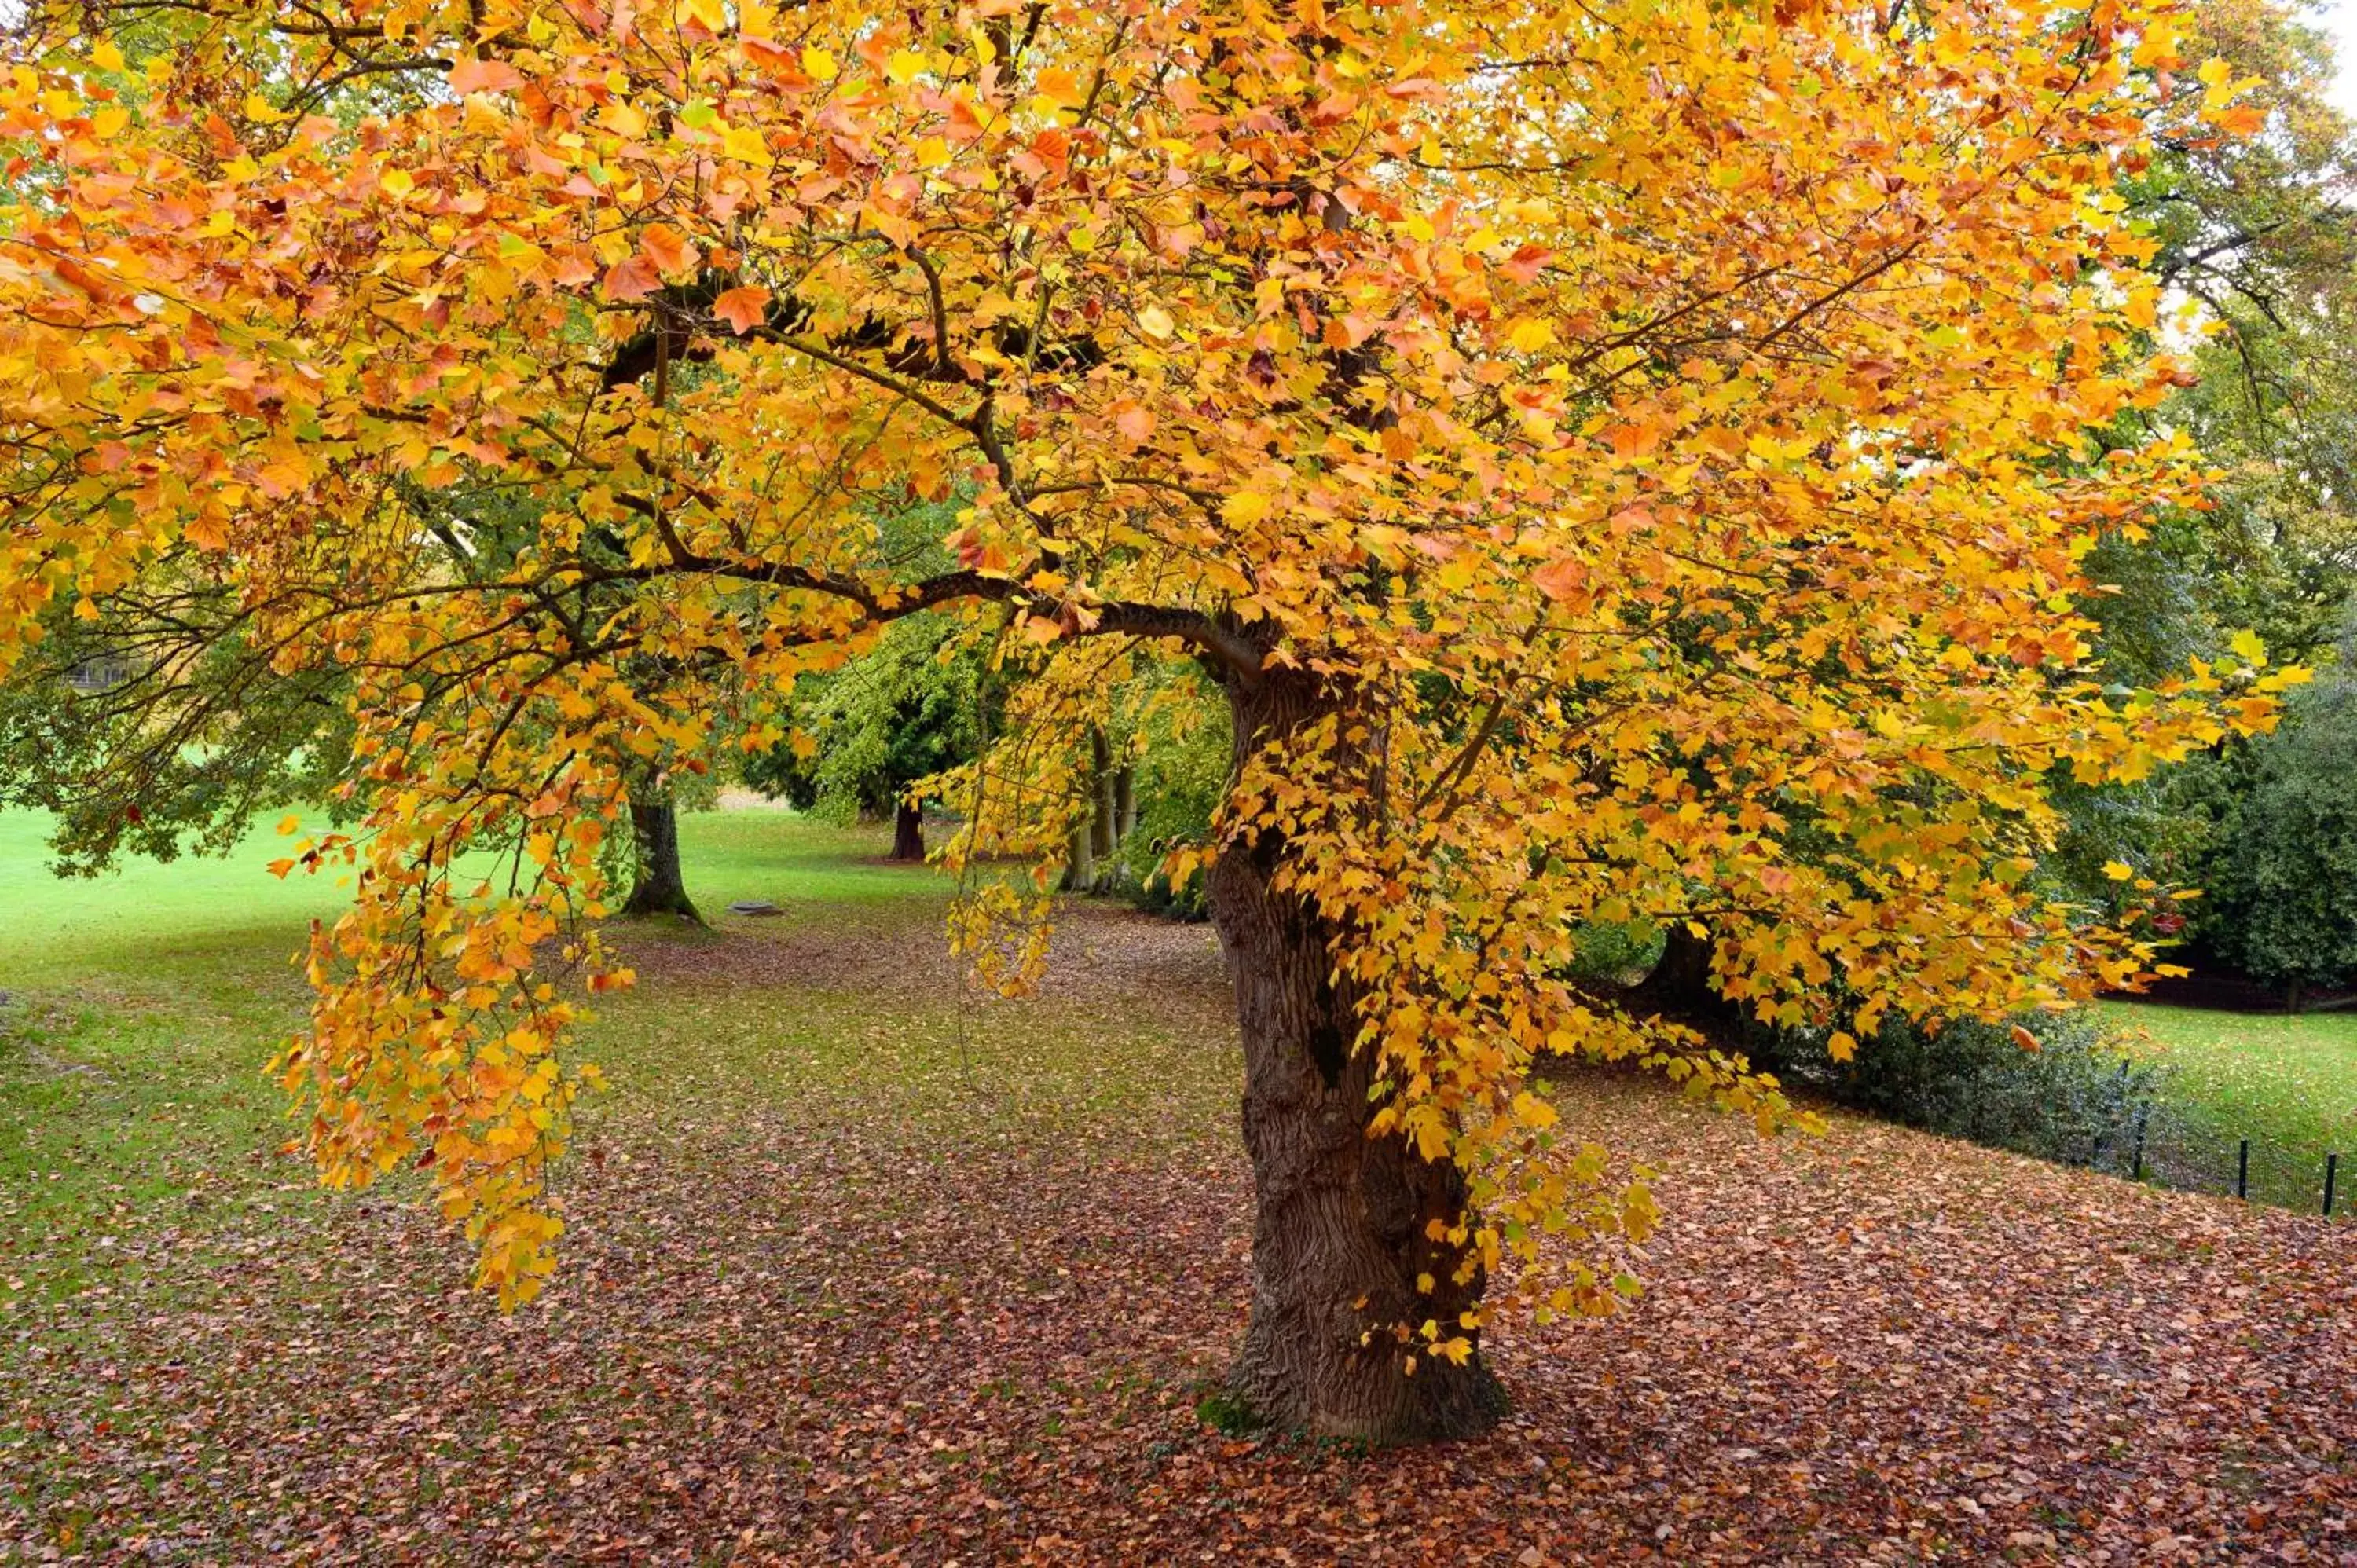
(2287, 1083)
(143, 1007)
(144, 1166)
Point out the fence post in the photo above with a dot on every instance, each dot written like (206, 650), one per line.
(2243, 1171)
(2331, 1170)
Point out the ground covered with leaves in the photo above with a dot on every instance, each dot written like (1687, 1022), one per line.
(864, 1269)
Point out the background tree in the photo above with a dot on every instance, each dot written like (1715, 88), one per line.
(158, 727)
(1695, 398)
(159, 722)
(2283, 887)
(908, 710)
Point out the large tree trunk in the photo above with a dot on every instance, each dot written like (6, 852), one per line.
(909, 832)
(1680, 985)
(1340, 1237)
(658, 887)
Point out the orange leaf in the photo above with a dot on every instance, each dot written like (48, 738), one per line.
(669, 250)
(631, 279)
(743, 308)
(484, 76)
(1560, 580)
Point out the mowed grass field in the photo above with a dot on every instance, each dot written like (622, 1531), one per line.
(2287, 1083)
(863, 1268)
(143, 1007)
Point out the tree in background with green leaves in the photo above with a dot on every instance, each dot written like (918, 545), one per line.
(157, 727)
(2258, 236)
(158, 723)
(2283, 892)
(869, 736)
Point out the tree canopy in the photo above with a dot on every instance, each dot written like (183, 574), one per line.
(1618, 460)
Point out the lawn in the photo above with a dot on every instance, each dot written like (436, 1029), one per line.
(863, 1268)
(2286, 1083)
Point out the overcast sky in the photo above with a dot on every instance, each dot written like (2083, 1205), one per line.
(2340, 19)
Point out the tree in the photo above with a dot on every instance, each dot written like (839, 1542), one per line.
(2284, 881)
(160, 725)
(1616, 461)
(658, 884)
(909, 708)
(157, 729)
(2258, 238)
(2260, 234)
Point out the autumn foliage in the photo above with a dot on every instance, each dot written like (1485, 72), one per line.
(1624, 461)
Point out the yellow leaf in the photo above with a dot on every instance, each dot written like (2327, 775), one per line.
(2247, 644)
(2118, 870)
(1531, 336)
(820, 64)
(1156, 322)
(1841, 1046)
(1245, 508)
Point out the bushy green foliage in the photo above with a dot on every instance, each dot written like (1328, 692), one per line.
(912, 706)
(1180, 772)
(1613, 952)
(2283, 893)
(145, 753)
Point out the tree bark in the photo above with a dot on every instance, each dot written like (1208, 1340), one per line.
(1339, 1237)
(1680, 984)
(659, 888)
(1100, 822)
(1125, 804)
(1680, 988)
(1080, 864)
(909, 832)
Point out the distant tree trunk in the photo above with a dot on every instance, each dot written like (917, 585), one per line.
(1680, 986)
(1125, 804)
(909, 832)
(2291, 997)
(1102, 837)
(1079, 862)
(659, 888)
(1340, 1233)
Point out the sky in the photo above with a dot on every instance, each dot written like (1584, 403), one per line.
(2340, 18)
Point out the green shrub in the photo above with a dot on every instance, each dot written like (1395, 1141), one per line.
(2069, 1098)
(1615, 954)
